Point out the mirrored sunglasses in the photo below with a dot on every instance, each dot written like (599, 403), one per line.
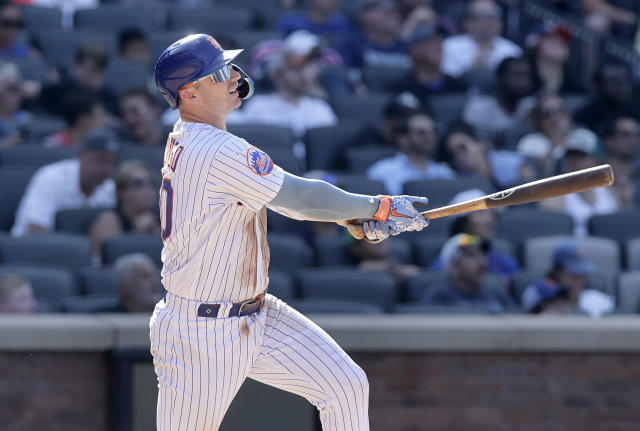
(220, 75)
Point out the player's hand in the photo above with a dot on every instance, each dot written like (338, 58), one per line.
(375, 231)
(400, 214)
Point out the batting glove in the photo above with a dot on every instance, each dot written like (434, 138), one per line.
(399, 213)
(375, 231)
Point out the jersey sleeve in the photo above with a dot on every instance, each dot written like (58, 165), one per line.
(245, 172)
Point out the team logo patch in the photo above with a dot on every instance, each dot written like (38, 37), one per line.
(259, 162)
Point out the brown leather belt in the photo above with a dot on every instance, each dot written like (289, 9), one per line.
(238, 309)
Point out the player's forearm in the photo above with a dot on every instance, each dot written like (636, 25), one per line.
(320, 201)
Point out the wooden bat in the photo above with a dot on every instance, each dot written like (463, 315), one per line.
(572, 182)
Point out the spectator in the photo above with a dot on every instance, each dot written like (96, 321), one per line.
(549, 54)
(481, 47)
(10, 24)
(141, 117)
(91, 61)
(288, 106)
(620, 17)
(378, 42)
(581, 153)
(322, 18)
(133, 46)
(620, 139)
(139, 284)
(552, 124)
(492, 115)
(417, 141)
(564, 289)
(74, 183)
(83, 113)
(136, 205)
(613, 97)
(16, 295)
(378, 257)
(401, 105)
(484, 225)
(464, 260)
(426, 77)
(12, 117)
(469, 156)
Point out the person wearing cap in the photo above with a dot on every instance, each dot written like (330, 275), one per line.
(82, 112)
(481, 47)
(82, 182)
(564, 288)
(465, 264)
(426, 77)
(417, 141)
(581, 152)
(399, 107)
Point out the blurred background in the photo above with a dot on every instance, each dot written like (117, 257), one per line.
(447, 99)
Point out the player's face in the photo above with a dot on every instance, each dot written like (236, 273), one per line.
(221, 96)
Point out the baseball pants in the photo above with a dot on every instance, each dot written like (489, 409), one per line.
(202, 362)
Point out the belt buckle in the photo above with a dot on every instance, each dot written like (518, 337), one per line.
(258, 299)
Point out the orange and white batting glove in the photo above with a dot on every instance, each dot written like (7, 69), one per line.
(400, 214)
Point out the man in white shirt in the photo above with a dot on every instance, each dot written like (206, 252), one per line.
(68, 184)
(417, 141)
(481, 46)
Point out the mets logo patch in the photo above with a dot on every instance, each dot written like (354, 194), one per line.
(258, 161)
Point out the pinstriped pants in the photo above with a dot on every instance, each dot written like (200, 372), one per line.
(202, 362)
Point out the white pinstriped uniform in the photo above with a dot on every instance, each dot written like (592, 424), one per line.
(215, 251)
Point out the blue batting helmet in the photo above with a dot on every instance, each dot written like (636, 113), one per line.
(188, 59)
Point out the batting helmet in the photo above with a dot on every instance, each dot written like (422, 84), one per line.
(191, 58)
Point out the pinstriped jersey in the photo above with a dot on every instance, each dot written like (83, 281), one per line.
(212, 205)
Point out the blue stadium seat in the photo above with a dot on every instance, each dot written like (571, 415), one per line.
(120, 245)
(351, 284)
(629, 291)
(59, 46)
(419, 283)
(518, 224)
(365, 109)
(360, 158)
(426, 251)
(360, 184)
(216, 21)
(42, 126)
(265, 137)
(281, 285)
(441, 191)
(37, 18)
(50, 285)
(13, 182)
(122, 75)
(77, 221)
(326, 145)
(115, 17)
(99, 281)
(619, 226)
(91, 304)
(334, 251)
(538, 251)
(289, 253)
(152, 156)
(32, 155)
(383, 79)
(632, 253)
(412, 308)
(333, 306)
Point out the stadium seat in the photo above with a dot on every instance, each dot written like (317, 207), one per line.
(116, 246)
(333, 306)
(618, 226)
(264, 136)
(520, 281)
(383, 79)
(13, 182)
(360, 158)
(360, 184)
(250, 38)
(59, 46)
(518, 224)
(633, 254)
(435, 309)
(334, 251)
(604, 252)
(482, 79)
(351, 284)
(123, 75)
(71, 252)
(629, 291)
(152, 156)
(99, 281)
(76, 221)
(32, 69)
(289, 253)
(277, 223)
(32, 155)
(160, 40)
(419, 283)
(441, 191)
(427, 250)
(42, 126)
(285, 158)
(115, 17)
(437, 227)
(38, 18)
(216, 20)
(326, 145)
(50, 285)
(446, 108)
(366, 109)
(91, 304)
(281, 285)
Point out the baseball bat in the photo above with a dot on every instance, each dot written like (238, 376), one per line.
(559, 185)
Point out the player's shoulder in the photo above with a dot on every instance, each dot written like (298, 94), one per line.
(203, 137)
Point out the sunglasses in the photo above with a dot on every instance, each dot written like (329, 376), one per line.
(11, 23)
(220, 75)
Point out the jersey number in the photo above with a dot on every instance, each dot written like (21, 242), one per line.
(166, 208)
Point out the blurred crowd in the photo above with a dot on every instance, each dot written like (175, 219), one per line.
(447, 99)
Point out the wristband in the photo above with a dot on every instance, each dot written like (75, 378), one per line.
(384, 208)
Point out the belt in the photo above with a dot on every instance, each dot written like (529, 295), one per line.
(237, 309)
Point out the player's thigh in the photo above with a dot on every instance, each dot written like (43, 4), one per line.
(200, 364)
(300, 357)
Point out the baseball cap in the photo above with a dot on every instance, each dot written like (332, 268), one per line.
(425, 32)
(101, 140)
(402, 104)
(582, 140)
(571, 257)
(543, 291)
(533, 39)
(453, 248)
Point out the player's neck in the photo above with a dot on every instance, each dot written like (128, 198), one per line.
(216, 121)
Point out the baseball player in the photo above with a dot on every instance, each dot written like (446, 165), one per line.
(217, 325)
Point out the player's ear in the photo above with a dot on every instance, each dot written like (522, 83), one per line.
(187, 94)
